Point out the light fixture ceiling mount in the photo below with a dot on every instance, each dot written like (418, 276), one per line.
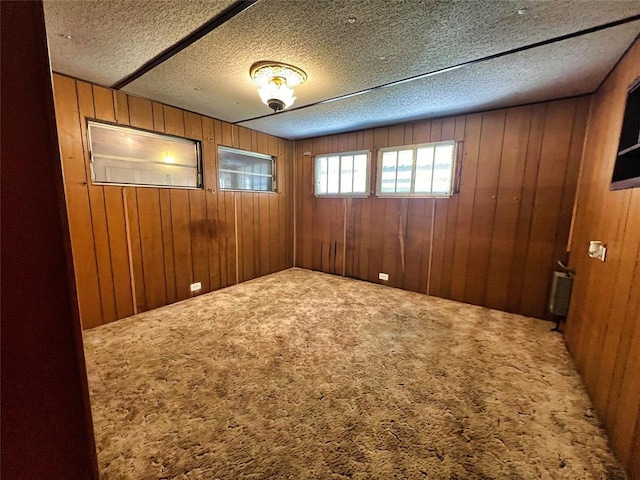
(276, 81)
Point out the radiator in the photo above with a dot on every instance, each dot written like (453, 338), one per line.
(560, 294)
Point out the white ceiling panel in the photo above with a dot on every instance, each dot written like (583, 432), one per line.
(562, 69)
(212, 75)
(104, 41)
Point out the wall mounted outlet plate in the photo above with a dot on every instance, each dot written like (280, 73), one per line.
(196, 286)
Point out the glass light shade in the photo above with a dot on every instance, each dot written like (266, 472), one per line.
(279, 90)
(276, 82)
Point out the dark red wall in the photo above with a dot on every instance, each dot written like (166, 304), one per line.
(45, 414)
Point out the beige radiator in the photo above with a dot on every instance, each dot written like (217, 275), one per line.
(560, 294)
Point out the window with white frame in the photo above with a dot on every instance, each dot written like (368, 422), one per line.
(244, 170)
(342, 174)
(425, 170)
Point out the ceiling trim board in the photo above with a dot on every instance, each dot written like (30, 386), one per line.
(227, 14)
(421, 76)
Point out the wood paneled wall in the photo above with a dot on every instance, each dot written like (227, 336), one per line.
(495, 243)
(140, 248)
(603, 326)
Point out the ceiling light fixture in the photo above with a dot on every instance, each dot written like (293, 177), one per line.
(276, 81)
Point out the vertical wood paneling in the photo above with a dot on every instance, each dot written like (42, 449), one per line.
(200, 233)
(422, 231)
(484, 205)
(211, 200)
(365, 142)
(138, 280)
(227, 203)
(530, 178)
(231, 206)
(165, 220)
(473, 127)
(150, 225)
(510, 179)
(445, 131)
(285, 205)
(103, 103)
(603, 326)
(149, 220)
(157, 241)
(116, 227)
(167, 245)
(121, 101)
(391, 233)
(98, 212)
(452, 218)
(554, 151)
(377, 227)
(465, 247)
(246, 236)
(77, 197)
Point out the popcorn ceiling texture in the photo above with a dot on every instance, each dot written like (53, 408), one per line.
(306, 375)
(565, 69)
(111, 39)
(413, 36)
(389, 40)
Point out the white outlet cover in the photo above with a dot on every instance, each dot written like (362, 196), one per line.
(196, 286)
(383, 276)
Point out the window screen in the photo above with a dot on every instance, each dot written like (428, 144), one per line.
(243, 170)
(128, 156)
(342, 174)
(417, 170)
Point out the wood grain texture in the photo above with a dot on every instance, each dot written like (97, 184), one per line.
(464, 247)
(77, 198)
(603, 326)
(171, 237)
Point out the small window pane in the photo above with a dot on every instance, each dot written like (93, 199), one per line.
(405, 167)
(444, 156)
(389, 168)
(442, 168)
(342, 174)
(322, 176)
(124, 155)
(346, 174)
(360, 173)
(243, 181)
(424, 166)
(334, 175)
(243, 170)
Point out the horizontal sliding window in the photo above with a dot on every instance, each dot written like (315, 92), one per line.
(425, 170)
(128, 156)
(342, 174)
(244, 170)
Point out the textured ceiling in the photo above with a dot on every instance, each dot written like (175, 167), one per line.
(563, 69)
(390, 40)
(110, 39)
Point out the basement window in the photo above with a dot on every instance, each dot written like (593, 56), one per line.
(425, 170)
(342, 174)
(247, 171)
(130, 156)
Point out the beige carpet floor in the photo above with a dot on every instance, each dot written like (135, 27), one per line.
(306, 375)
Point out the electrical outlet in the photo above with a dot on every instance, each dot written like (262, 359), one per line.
(383, 276)
(196, 286)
